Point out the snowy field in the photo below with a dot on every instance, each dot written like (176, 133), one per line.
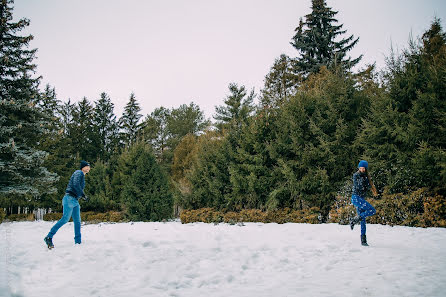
(171, 259)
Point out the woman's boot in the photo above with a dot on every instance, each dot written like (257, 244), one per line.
(354, 221)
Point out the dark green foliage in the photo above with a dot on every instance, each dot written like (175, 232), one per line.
(318, 42)
(144, 194)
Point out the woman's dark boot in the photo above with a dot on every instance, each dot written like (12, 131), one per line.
(364, 240)
(354, 221)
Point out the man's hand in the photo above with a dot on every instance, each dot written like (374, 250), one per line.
(85, 198)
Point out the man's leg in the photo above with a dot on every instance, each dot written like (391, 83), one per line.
(67, 211)
(77, 223)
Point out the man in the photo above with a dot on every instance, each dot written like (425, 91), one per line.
(70, 203)
(361, 184)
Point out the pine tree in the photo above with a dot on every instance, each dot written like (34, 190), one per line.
(22, 122)
(106, 127)
(317, 42)
(237, 109)
(129, 121)
(82, 132)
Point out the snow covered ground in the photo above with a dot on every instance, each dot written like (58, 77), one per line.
(171, 259)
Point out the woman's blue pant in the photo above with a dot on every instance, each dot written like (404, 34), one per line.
(71, 208)
(364, 210)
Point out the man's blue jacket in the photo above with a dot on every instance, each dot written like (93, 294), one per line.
(76, 184)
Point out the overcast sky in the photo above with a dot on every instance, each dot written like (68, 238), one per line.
(171, 52)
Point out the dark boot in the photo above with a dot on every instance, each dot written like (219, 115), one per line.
(364, 240)
(354, 221)
(49, 242)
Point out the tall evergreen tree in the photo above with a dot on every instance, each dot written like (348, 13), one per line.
(129, 122)
(82, 132)
(318, 44)
(106, 126)
(22, 122)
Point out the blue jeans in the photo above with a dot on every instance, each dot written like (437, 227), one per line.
(364, 210)
(71, 208)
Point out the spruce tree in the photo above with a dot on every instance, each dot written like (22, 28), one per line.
(22, 121)
(319, 42)
(106, 127)
(129, 122)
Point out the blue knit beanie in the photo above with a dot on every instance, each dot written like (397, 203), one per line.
(83, 164)
(363, 163)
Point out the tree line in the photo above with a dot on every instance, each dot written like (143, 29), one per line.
(296, 148)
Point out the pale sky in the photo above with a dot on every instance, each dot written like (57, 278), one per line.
(173, 52)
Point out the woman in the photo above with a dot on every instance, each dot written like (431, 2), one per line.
(361, 184)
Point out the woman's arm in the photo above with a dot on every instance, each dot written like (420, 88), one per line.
(375, 193)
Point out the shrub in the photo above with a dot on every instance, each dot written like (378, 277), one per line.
(54, 216)
(2, 215)
(209, 215)
(416, 209)
(22, 217)
(434, 211)
(90, 216)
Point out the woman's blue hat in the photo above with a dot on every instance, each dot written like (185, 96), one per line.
(363, 163)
